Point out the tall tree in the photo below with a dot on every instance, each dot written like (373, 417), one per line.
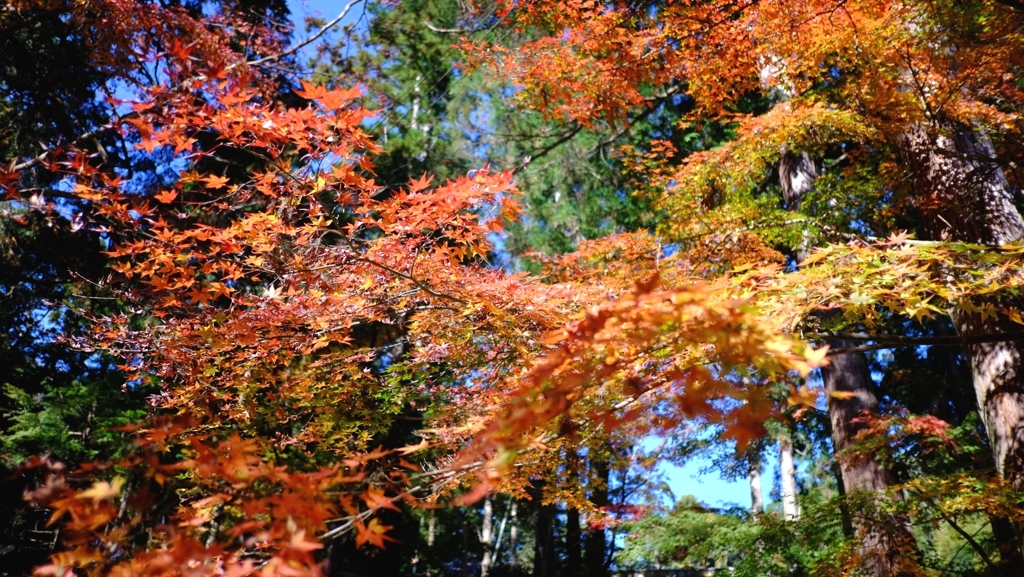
(969, 199)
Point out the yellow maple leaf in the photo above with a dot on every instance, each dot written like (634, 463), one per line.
(102, 490)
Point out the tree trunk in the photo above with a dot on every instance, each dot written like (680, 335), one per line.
(844, 507)
(797, 174)
(787, 473)
(887, 548)
(887, 543)
(595, 546)
(1009, 549)
(513, 538)
(544, 531)
(431, 529)
(848, 398)
(487, 536)
(431, 526)
(965, 197)
(573, 533)
(754, 476)
(573, 544)
(496, 551)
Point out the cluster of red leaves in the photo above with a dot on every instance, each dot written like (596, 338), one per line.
(896, 433)
(615, 515)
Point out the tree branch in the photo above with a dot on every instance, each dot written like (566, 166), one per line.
(565, 138)
(351, 521)
(882, 342)
(445, 30)
(970, 540)
(91, 135)
(311, 39)
(422, 285)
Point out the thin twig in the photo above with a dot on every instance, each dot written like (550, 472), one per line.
(422, 285)
(352, 520)
(565, 138)
(88, 136)
(445, 30)
(323, 30)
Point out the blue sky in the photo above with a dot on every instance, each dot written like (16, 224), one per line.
(325, 9)
(711, 488)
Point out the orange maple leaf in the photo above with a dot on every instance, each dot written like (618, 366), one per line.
(300, 543)
(214, 181)
(167, 196)
(376, 499)
(372, 533)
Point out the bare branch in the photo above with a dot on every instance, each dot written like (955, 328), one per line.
(445, 30)
(311, 39)
(86, 137)
(565, 138)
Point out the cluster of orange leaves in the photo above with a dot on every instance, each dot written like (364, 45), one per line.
(600, 58)
(853, 71)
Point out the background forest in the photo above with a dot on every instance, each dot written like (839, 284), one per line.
(441, 287)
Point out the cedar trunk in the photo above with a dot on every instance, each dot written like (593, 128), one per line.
(887, 544)
(964, 196)
(887, 548)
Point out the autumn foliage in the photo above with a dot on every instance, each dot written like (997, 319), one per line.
(270, 279)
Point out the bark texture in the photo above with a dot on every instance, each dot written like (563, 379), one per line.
(889, 549)
(887, 544)
(797, 174)
(849, 376)
(754, 476)
(964, 196)
(787, 477)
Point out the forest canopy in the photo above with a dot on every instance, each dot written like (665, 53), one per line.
(440, 287)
